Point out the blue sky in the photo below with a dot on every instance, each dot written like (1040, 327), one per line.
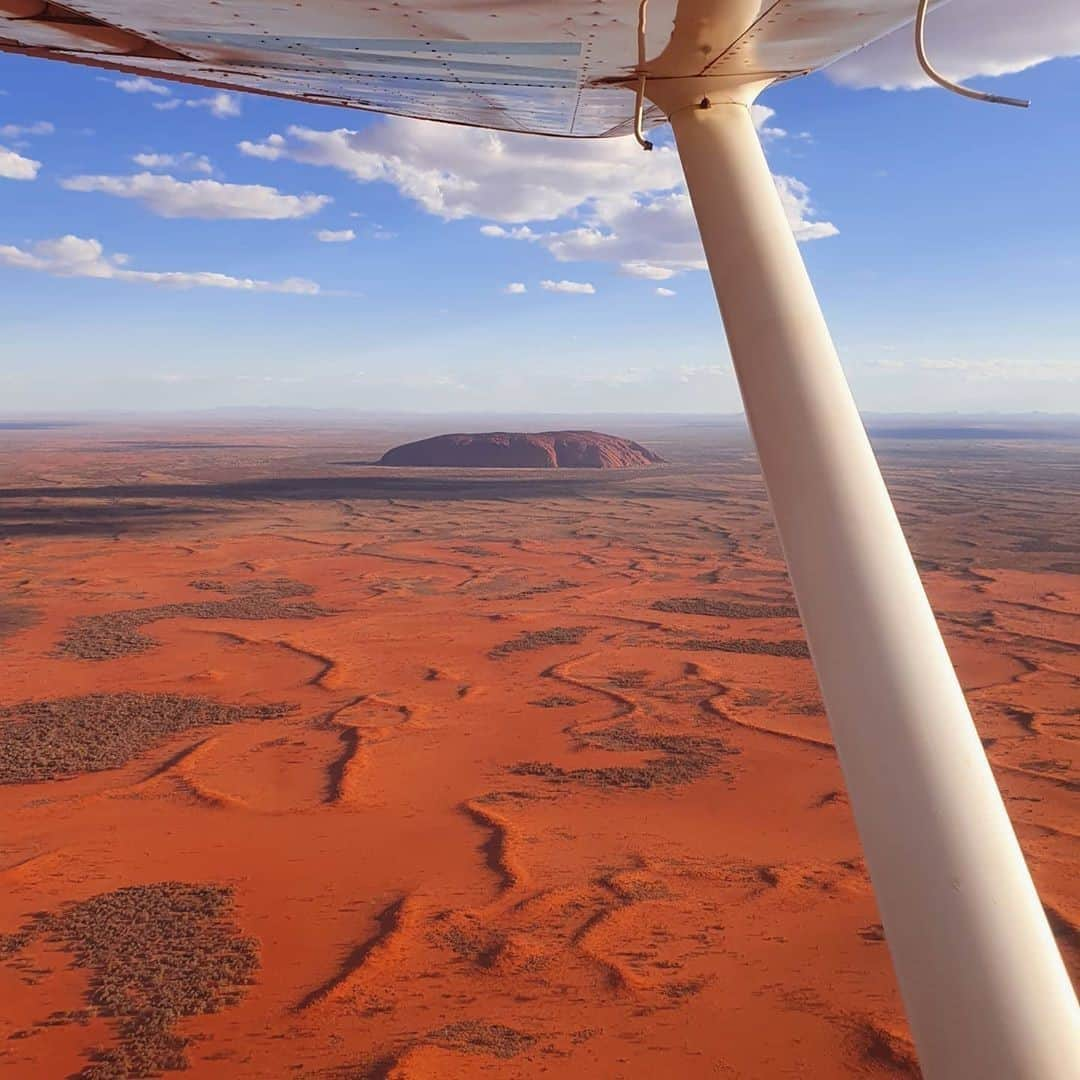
(942, 235)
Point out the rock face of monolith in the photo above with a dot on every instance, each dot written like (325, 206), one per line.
(523, 450)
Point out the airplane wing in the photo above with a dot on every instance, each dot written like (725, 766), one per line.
(554, 67)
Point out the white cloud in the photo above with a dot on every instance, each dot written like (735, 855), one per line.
(18, 131)
(14, 166)
(583, 287)
(222, 105)
(965, 38)
(646, 235)
(519, 232)
(641, 269)
(335, 236)
(74, 256)
(186, 160)
(139, 84)
(515, 288)
(761, 115)
(655, 236)
(455, 173)
(795, 196)
(272, 148)
(155, 161)
(661, 291)
(168, 197)
(614, 204)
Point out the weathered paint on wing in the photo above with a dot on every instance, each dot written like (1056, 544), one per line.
(556, 67)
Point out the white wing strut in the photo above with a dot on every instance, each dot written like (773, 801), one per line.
(982, 980)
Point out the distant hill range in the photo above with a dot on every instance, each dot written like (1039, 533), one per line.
(522, 450)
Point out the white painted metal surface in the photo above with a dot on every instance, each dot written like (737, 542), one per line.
(557, 67)
(984, 986)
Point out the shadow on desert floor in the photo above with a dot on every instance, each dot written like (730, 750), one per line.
(439, 488)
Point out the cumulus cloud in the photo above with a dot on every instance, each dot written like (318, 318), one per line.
(14, 166)
(515, 288)
(222, 105)
(78, 257)
(661, 291)
(654, 236)
(761, 115)
(168, 197)
(582, 287)
(966, 38)
(613, 203)
(640, 268)
(18, 131)
(457, 173)
(187, 160)
(139, 84)
(335, 236)
(795, 196)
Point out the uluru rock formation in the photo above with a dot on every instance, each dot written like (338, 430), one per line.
(521, 450)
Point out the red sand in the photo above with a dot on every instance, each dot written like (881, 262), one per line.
(616, 856)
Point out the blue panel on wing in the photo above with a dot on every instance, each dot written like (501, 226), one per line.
(522, 63)
(386, 45)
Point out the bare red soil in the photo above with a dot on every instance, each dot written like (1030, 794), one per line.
(519, 450)
(508, 776)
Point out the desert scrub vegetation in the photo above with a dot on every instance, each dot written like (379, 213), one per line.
(540, 589)
(479, 1037)
(156, 954)
(59, 737)
(725, 609)
(629, 679)
(119, 633)
(529, 640)
(555, 701)
(15, 617)
(681, 759)
(796, 650)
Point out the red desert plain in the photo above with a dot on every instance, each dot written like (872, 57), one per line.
(313, 767)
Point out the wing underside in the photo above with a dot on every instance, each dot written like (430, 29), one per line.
(555, 67)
